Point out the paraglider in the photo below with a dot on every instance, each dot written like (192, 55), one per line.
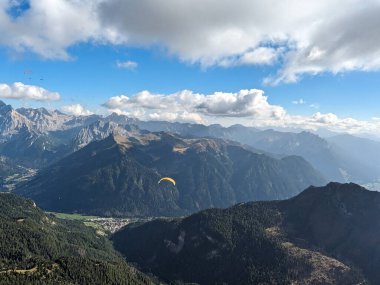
(167, 179)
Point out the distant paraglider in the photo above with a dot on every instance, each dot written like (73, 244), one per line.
(167, 179)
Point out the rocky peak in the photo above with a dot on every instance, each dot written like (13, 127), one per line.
(97, 131)
(43, 119)
(121, 119)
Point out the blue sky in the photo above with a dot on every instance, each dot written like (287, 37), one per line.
(310, 76)
(92, 76)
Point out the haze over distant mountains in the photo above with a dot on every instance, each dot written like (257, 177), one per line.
(38, 137)
(336, 163)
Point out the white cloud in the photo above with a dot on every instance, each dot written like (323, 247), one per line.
(332, 122)
(189, 106)
(245, 103)
(49, 27)
(180, 117)
(260, 55)
(131, 65)
(299, 102)
(20, 90)
(328, 118)
(309, 37)
(76, 110)
(247, 107)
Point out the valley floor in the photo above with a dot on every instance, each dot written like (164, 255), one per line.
(103, 225)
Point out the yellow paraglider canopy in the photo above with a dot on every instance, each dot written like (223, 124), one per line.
(167, 179)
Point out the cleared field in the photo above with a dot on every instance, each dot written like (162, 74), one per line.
(76, 217)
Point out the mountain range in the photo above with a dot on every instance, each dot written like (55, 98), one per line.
(330, 156)
(325, 235)
(110, 165)
(39, 137)
(118, 175)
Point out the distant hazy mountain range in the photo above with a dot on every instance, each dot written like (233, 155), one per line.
(118, 176)
(326, 235)
(38, 137)
(338, 158)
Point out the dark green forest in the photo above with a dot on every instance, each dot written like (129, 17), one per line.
(118, 177)
(37, 248)
(322, 236)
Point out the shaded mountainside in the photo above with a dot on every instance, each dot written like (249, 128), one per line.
(8, 167)
(36, 246)
(341, 219)
(12, 173)
(101, 179)
(118, 176)
(31, 149)
(325, 235)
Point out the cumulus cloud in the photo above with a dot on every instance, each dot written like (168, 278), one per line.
(20, 90)
(189, 106)
(328, 118)
(76, 110)
(245, 103)
(131, 65)
(180, 117)
(247, 107)
(332, 122)
(303, 37)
